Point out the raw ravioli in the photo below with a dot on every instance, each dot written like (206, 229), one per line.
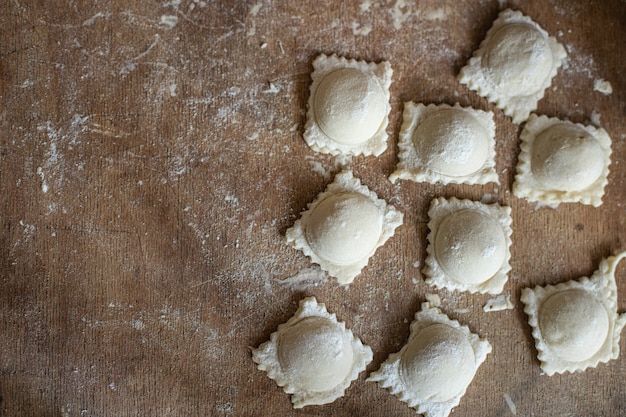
(313, 356)
(514, 64)
(343, 227)
(446, 144)
(433, 370)
(348, 107)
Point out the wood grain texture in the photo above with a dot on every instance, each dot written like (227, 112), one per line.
(151, 159)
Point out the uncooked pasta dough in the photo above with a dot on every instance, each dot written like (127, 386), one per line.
(343, 227)
(312, 356)
(433, 370)
(339, 218)
(468, 246)
(438, 352)
(446, 144)
(561, 162)
(575, 324)
(514, 64)
(348, 106)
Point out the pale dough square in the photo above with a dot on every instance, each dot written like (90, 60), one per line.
(514, 64)
(439, 361)
(468, 245)
(343, 227)
(348, 107)
(313, 356)
(446, 144)
(575, 324)
(562, 162)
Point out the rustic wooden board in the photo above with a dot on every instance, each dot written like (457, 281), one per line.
(151, 159)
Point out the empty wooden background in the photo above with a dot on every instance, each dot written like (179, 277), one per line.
(151, 159)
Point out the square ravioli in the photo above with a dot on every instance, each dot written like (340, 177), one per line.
(433, 370)
(313, 356)
(446, 144)
(562, 162)
(348, 107)
(575, 324)
(343, 227)
(514, 64)
(468, 245)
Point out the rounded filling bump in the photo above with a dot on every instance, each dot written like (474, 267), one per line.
(438, 364)
(344, 228)
(349, 106)
(452, 142)
(315, 354)
(574, 324)
(518, 59)
(470, 246)
(566, 157)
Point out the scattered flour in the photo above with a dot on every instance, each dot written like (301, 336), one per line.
(95, 17)
(169, 21)
(318, 167)
(602, 86)
(305, 278)
(232, 199)
(254, 10)
(272, 89)
(233, 91)
(199, 233)
(400, 13)
(359, 30)
(510, 403)
(130, 64)
(28, 228)
(226, 408)
(437, 14)
(44, 184)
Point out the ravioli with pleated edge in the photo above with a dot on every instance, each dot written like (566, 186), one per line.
(433, 370)
(468, 245)
(348, 106)
(575, 324)
(562, 162)
(343, 227)
(313, 356)
(514, 64)
(446, 144)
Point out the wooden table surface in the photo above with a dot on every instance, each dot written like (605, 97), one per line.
(151, 159)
